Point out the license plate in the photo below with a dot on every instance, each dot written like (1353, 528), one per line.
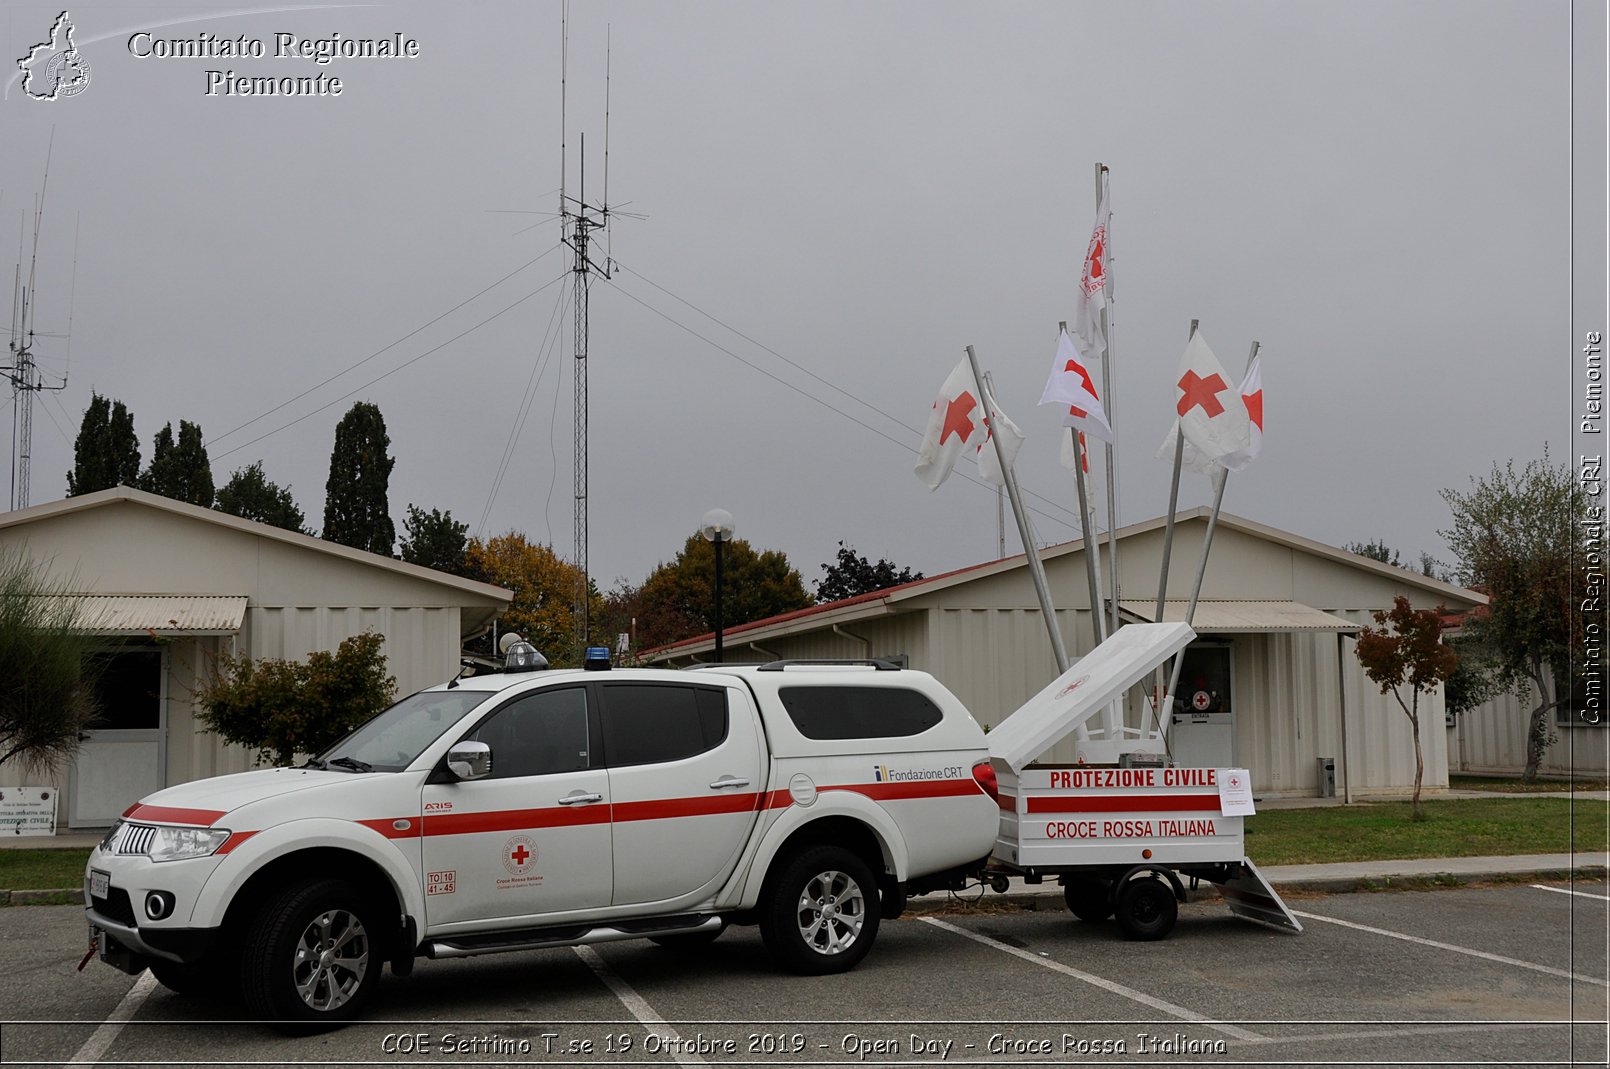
(100, 883)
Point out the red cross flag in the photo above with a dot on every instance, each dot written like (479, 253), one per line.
(1002, 430)
(1251, 391)
(958, 424)
(1212, 415)
(1067, 458)
(1070, 384)
(1093, 281)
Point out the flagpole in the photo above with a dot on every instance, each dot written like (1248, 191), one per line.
(1161, 716)
(1092, 549)
(1036, 569)
(1107, 382)
(1173, 503)
(1000, 496)
(1222, 476)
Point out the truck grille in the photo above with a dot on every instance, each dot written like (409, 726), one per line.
(136, 839)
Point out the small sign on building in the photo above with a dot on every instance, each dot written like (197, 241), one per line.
(27, 811)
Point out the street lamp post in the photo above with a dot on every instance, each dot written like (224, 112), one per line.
(717, 527)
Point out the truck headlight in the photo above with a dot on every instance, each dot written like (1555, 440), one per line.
(176, 844)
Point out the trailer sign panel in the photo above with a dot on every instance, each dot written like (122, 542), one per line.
(1235, 792)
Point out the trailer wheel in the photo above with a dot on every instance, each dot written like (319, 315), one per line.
(820, 914)
(1146, 909)
(1088, 898)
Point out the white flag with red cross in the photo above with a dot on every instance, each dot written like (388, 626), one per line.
(1070, 384)
(1212, 415)
(1194, 460)
(1068, 458)
(958, 423)
(1002, 430)
(1252, 396)
(1093, 281)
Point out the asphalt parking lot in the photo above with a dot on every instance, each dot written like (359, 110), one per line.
(1496, 975)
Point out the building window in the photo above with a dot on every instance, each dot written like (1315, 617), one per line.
(128, 694)
(1584, 707)
(1204, 685)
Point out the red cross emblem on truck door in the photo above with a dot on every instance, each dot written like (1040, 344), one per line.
(519, 854)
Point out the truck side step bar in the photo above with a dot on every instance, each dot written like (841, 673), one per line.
(568, 935)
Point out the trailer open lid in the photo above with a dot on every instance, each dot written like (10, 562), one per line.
(1089, 685)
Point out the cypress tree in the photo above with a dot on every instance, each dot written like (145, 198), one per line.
(355, 509)
(106, 452)
(180, 470)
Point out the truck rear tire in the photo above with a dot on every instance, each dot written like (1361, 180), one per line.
(311, 956)
(1146, 909)
(821, 912)
(1088, 898)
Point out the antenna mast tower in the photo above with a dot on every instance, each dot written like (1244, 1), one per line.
(579, 220)
(23, 373)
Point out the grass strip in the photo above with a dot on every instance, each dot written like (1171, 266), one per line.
(1454, 827)
(26, 870)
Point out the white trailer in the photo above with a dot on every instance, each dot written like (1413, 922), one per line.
(1120, 834)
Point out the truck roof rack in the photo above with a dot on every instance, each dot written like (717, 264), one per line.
(869, 662)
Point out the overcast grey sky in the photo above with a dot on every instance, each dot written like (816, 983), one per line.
(1377, 192)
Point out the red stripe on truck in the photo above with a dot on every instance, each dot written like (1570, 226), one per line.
(1124, 803)
(162, 814)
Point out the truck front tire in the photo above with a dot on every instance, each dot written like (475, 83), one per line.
(311, 955)
(821, 912)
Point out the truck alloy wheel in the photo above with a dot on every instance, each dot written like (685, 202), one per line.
(311, 955)
(822, 912)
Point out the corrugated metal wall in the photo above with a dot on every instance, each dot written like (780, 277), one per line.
(1492, 738)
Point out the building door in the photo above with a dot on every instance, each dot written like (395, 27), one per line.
(123, 755)
(1202, 734)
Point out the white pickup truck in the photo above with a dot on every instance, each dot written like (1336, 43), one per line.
(533, 809)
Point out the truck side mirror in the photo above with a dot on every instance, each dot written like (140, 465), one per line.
(469, 760)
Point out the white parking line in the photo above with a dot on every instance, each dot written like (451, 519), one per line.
(1563, 891)
(637, 1006)
(1107, 985)
(92, 1051)
(1457, 949)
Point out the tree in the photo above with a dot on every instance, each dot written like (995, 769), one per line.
(251, 496)
(434, 540)
(355, 510)
(853, 574)
(1408, 651)
(1514, 534)
(1375, 551)
(543, 608)
(47, 670)
(106, 452)
(283, 708)
(677, 600)
(180, 470)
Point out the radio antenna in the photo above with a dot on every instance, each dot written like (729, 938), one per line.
(579, 220)
(23, 373)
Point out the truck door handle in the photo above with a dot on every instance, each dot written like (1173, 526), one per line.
(728, 781)
(579, 797)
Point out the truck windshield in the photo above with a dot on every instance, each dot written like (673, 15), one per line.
(393, 739)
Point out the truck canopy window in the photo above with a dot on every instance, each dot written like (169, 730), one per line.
(859, 712)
